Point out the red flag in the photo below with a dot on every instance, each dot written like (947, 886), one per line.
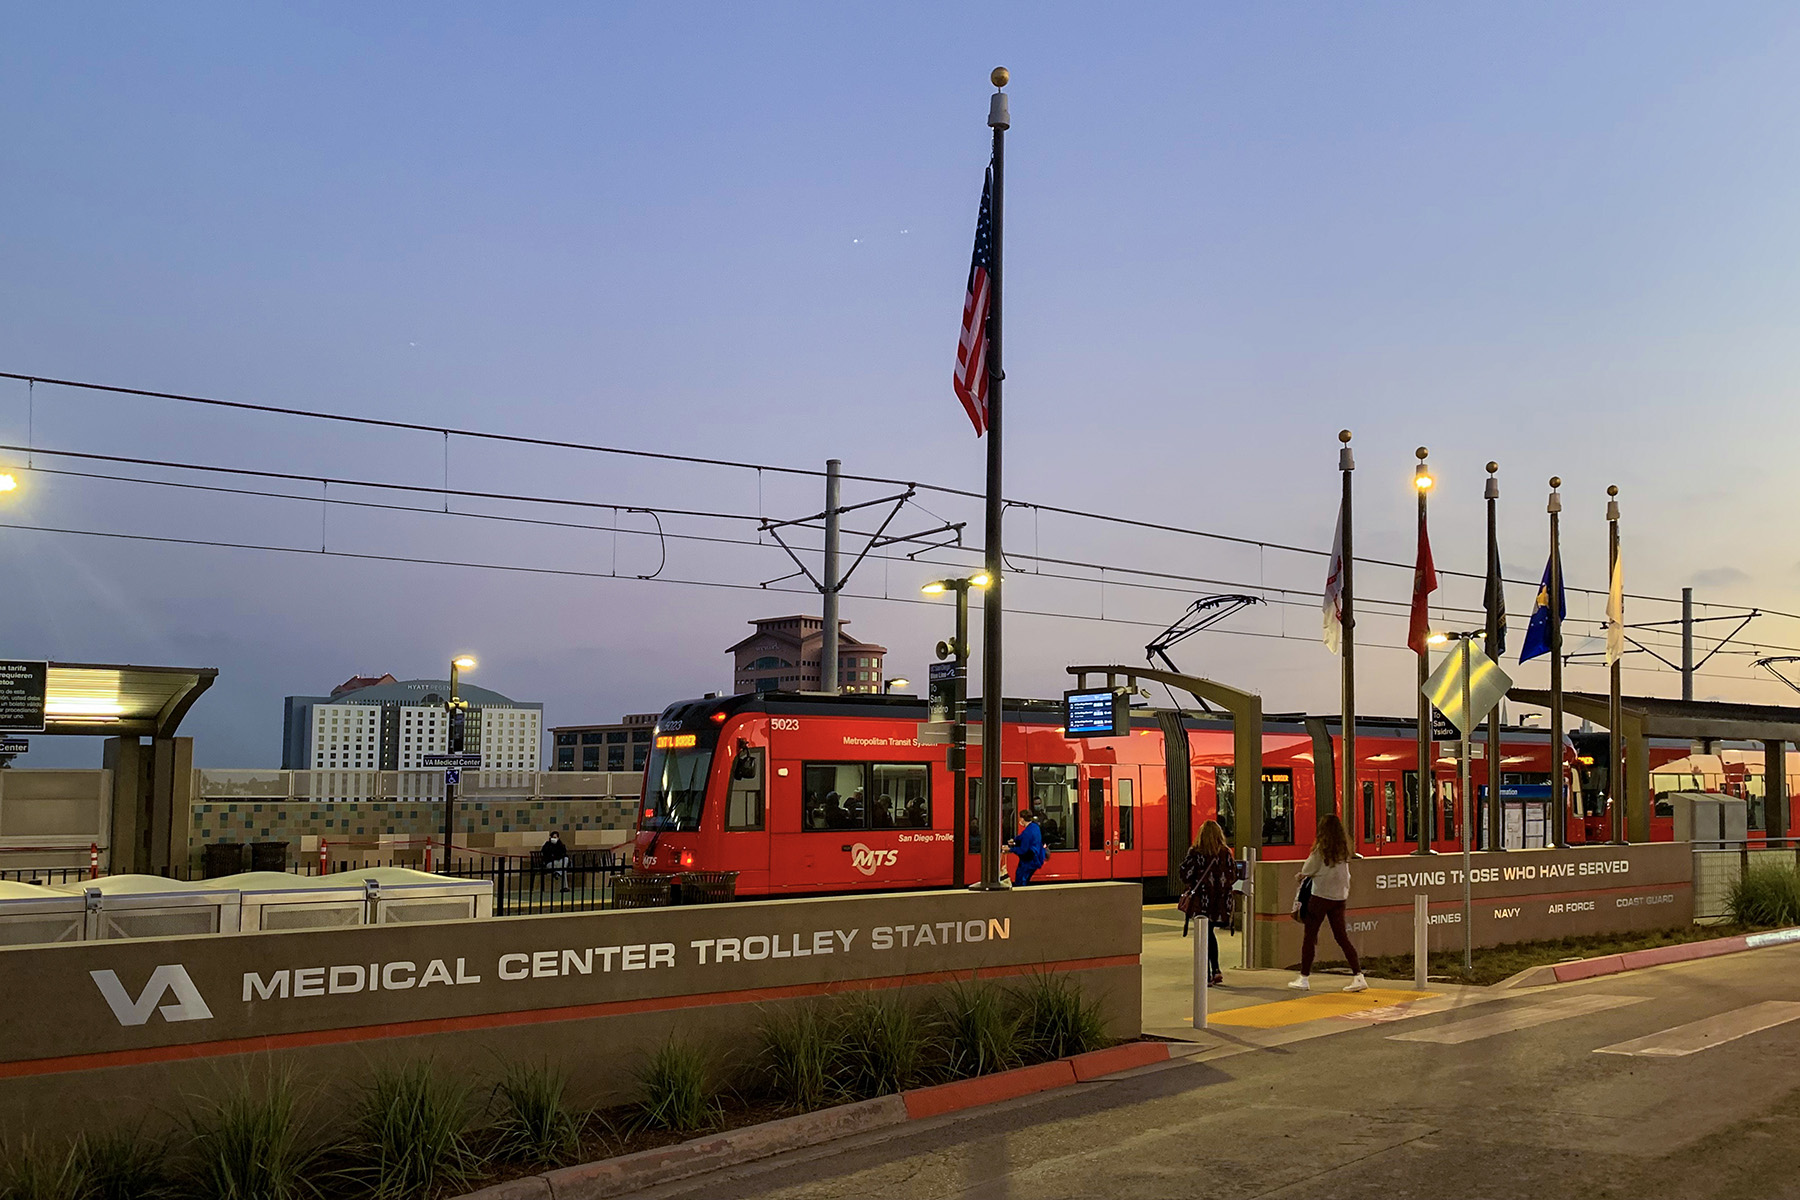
(1424, 583)
(971, 379)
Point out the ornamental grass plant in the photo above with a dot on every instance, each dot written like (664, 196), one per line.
(1765, 894)
(885, 1045)
(35, 1171)
(411, 1136)
(798, 1057)
(980, 1030)
(252, 1145)
(676, 1091)
(126, 1165)
(1056, 1019)
(535, 1124)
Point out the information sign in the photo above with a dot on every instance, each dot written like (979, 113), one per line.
(14, 745)
(23, 683)
(450, 760)
(1102, 713)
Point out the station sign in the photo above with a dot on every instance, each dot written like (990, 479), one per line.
(469, 761)
(14, 745)
(1105, 712)
(23, 684)
(941, 695)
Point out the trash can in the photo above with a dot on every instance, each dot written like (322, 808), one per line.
(642, 891)
(268, 856)
(222, 858)
(707, 887)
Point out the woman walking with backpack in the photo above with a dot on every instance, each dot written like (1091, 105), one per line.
(1208, 873)
(1328, 867)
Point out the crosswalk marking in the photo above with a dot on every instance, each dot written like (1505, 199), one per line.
(1704, 1034)
(1521, 1016)
(1312, 1007)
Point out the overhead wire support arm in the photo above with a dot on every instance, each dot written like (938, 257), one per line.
(1201, 614)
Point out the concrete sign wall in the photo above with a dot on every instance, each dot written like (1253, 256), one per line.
(157, 1020)
(1519, 896)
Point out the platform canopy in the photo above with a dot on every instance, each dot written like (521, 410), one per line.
(114, 700)
(1696, 720)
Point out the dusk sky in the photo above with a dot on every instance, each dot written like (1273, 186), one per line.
(1563, 237)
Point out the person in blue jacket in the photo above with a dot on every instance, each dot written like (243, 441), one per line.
(1029, 846)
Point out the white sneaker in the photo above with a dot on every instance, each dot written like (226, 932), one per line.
(1357, 983)
(1302, 984)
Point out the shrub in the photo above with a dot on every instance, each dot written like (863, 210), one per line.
(32, 1171)
(410, 1135)
(250, 1146)
(980, 1030)
(1766, 894)
(126, 1165)
(885, 1045)
(1056, 1020)
(677, 1090)
(800, 1050)
(535, 1125)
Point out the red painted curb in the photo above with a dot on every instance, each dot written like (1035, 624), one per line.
(1114, 1059)
(987, 1089)
(1588, 968)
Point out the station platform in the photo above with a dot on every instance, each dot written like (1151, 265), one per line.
(1257, 1006)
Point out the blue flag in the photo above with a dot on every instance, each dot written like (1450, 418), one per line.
(1537, 634)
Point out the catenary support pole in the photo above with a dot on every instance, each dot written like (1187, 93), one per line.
(992, 694)
(1346, 465)
(1687, 643)
(1615, 736)
(828, 648)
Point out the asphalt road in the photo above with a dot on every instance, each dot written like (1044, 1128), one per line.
(1678, 1082)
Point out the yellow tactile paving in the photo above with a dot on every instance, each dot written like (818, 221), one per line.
(1312, 1007)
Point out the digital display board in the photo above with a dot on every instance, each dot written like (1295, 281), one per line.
(1101, 713)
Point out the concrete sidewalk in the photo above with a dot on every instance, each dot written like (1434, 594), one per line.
(1256, 1007)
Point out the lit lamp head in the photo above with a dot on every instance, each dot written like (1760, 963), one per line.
(1437, 639)
(895, 684)
(463, 662)
(936, 587)
(980, 579)
(8, 482)
(1422, 474)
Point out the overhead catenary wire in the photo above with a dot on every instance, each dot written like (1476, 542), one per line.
(577, 573)
(446, 431)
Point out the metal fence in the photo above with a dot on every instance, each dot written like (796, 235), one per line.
(1719, 865)
(215, 785)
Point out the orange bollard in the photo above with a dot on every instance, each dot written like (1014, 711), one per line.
(324, 858)
(93, 860)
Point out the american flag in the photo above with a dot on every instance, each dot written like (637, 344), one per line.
(971, 352)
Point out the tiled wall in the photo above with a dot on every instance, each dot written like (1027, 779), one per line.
(522, 823)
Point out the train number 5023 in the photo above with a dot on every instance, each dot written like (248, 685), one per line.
(790, 724)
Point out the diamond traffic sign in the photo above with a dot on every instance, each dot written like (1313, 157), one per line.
(1487, 684)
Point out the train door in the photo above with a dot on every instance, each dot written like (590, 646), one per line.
(1127, 835)
(1380, 814)
(1110, 836)
(1009, 820)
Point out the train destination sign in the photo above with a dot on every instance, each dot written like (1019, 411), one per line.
(1102, 713)
(23, 683)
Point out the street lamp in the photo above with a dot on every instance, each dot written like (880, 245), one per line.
(958, 650)
(1468, 726)
(896, 682)
(456, 718)
(8, 482)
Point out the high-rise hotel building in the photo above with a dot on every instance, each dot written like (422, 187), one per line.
(386, 724)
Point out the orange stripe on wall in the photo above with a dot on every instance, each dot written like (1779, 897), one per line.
(535, 1016)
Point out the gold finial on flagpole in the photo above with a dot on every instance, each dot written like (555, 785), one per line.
(1000, 76)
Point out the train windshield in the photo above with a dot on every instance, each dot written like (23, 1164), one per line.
(675, 788)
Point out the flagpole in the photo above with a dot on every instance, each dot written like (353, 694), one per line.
(992, 702)
(1426, 801)
(1615, 743)
(1347, 464)
(1496, 602)
(1559, 816)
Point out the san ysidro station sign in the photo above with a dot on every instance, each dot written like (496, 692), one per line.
(23, 685)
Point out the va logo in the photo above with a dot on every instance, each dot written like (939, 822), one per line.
(867, 860)
(188, 1005)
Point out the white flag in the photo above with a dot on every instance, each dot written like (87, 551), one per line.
(1615, 610)
(1334, 589)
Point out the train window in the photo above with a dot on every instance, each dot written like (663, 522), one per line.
(1127, 812)
(1410, 779)
(1053, 800)
(1388, 799)
(1278, 808)
(831, 796)
(1369, 832)
(1447, 789)
(902, 794)
(744, 806)
(1096, 814)
(1009, 810)
(676, 791)
(1225, 791)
